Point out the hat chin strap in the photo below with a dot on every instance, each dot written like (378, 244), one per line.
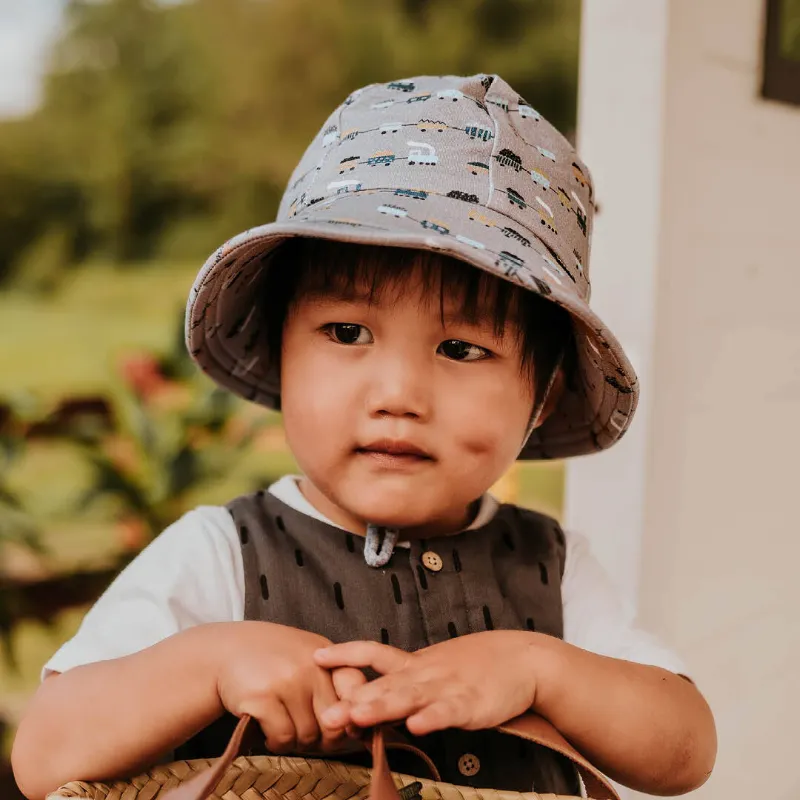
(538, 409)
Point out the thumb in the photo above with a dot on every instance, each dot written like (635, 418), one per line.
(346, 680)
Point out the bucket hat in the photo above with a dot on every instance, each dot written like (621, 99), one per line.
(459, 165)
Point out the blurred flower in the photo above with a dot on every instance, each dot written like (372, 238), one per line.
(133, 534)
(170, 396)
(142, 374)
(121, 451)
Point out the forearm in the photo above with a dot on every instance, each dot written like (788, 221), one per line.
(645, 727)
(115, 717)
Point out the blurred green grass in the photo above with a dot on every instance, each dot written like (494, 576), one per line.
(71, 341)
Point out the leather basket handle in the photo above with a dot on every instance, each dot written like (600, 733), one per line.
(527, 726)
(200, 786)
(538, 730)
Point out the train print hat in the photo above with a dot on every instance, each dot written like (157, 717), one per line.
(463, 166)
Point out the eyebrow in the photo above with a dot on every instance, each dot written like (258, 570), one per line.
(341, 295)
(457, 315)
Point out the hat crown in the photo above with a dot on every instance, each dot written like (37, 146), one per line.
(474, 139)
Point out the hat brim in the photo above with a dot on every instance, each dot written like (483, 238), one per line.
(223, 332)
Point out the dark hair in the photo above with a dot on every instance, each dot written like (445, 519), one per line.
(301, 267)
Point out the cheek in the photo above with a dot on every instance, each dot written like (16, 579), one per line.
(489, 419)
(315, 398)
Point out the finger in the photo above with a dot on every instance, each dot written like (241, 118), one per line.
(389, 699)
(346, 680)
(350, 684)
(301, 710)
(436, 716)
(325, 697)
(370, 691)
(277, 725)
(337, 716)
(381, 657)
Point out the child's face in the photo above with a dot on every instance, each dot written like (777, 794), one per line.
(396, 417)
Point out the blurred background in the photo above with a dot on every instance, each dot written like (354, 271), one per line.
(136, 136)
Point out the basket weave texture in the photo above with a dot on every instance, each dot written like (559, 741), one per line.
(278, 778)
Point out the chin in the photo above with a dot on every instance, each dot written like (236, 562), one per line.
(393, 509)
(393, 518)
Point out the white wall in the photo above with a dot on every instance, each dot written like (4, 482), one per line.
(712, 539)
(620, 131)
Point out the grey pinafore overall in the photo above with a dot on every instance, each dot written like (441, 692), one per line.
(305, 573)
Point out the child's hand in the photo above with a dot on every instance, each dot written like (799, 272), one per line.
(268, 671)
(472, 682)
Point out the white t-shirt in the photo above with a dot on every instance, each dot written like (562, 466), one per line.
(193, 574)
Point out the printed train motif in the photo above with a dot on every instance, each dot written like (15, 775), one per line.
(375, 169)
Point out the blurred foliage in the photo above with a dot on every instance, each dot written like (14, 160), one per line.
(174, 432)
(165, 128)
(790, 29)
(164, 434)
(16, 523)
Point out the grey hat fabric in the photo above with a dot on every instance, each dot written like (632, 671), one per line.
(459, 165)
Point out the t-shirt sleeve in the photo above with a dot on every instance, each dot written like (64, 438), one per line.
(189, 575)
(597, 619)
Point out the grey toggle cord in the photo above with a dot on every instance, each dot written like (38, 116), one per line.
(379, 545)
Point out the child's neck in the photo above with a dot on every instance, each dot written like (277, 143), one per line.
(456, 523)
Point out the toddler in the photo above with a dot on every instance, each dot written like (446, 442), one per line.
(419, 314)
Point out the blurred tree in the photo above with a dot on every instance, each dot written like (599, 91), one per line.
(34, 199)
(166, 128)
(124, 94)
(790, 29)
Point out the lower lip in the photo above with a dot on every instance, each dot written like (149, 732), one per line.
(394, 460)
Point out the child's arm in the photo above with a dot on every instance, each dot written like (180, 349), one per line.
(116, 717)
(643, 726)
(648, 728)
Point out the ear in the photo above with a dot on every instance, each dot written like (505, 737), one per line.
(553, 397)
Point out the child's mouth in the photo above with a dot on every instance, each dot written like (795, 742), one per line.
(394, 453)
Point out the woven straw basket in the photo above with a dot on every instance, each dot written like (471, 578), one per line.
(283, 778)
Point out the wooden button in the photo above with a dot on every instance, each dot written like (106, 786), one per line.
(432, 561)
(469, 765)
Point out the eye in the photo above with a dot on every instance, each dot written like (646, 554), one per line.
(458, 350)
(348, 333)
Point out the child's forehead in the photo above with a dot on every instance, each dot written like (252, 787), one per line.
(470, 297)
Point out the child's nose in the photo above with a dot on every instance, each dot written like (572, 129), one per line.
(400, 387)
